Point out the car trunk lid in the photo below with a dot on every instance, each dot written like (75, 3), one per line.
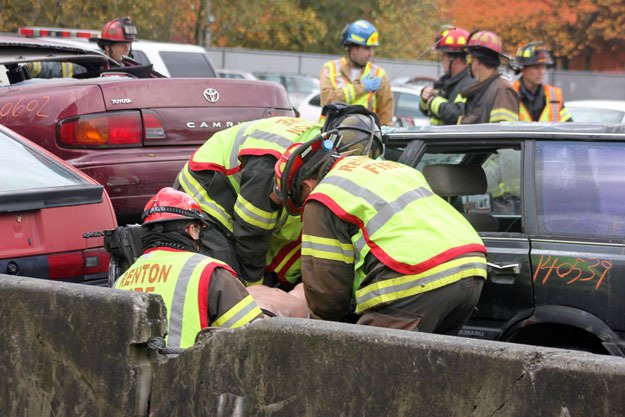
(192, 109)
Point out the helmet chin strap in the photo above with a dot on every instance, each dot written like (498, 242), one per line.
(451, 63)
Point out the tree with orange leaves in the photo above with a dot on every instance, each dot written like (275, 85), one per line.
(569, 27)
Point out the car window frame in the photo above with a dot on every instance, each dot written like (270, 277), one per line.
(572, 237)
(416, 149)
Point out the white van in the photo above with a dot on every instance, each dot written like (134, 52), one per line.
(174, 59)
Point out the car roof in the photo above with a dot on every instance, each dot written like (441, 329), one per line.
(598, 104)
(407, 90)
(513, 131)
(15, 50)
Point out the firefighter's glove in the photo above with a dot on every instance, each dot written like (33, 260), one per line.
(371, 83)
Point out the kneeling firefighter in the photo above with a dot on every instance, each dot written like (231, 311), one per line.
(198, 291)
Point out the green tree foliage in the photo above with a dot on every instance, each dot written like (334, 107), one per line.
(267, 24)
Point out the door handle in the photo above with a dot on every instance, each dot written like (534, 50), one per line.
(503, 274)
(514, 269)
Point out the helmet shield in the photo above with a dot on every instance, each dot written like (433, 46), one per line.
(117, 30)
(360, 136)
(358, 126)
(452, 40)
(360, 32)
(486, 46)
(534, 53)
(170, 204)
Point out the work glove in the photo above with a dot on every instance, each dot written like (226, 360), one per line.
(371, 83)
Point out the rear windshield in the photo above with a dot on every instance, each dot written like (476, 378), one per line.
(23, 169)
(187, 64)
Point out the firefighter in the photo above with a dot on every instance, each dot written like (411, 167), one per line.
(40, 69)
(198, 291)
(492, 99)
(353, 79)
(539, 102)
(442, 102)
(116, 38)
(231, 177)
(377, 242)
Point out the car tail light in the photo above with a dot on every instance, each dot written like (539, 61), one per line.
(102, 130)
(66, 265)
(90, 263)
(152, 126)
(96, 261)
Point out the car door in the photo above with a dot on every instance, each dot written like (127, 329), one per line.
(507, 296)
(577, 239)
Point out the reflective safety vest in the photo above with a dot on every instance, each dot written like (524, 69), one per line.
(554, 110)
(402, 223)
(182, 279)
(368, 99)
(284, 254)
(223, 152)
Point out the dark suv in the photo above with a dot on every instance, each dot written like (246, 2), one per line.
(549, 203)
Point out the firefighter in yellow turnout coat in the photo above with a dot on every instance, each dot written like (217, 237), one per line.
(377, 242)
(354, 79)
(198, 291)
(231, 178)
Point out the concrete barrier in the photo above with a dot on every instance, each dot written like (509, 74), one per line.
(295, 367)
(73, 350)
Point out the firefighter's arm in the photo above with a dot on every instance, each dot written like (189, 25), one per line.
(426, 94)
(386, 103)
(254, 216)
(229, 303)
(327, 263)
(505, 107)
(443, 109)
(565, 115)
(278, 302)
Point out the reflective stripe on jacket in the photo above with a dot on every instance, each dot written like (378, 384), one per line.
(182, 279)
(368, 98)
(284, 254)
(402, 223)
(553, 111)
(223, 152)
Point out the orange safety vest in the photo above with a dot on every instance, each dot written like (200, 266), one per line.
(553, 105)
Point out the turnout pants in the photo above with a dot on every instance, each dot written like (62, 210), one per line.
(443, 310)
